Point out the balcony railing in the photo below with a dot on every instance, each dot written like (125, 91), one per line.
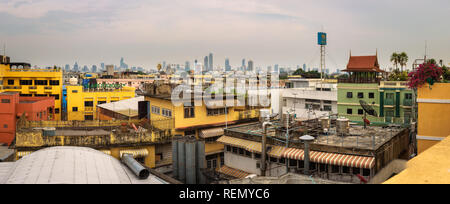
(359, 81)
(389, 102)
(407, 102)
(12, 87)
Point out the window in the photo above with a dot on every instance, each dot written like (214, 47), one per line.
(40, 95)
(228, 148)
(216, 112)
(6, 101)
(235, 150)
(189, 112)
(41, 82)
(360, 95)
(349, 95)
(366, 172)
(74, 91)
(241, 151)
(390, 96)
(167, 113)
(26, 95)
(408, 96)
(273, 160)
(257, 156)
(88, 117)
(371, 95)
(55, 96)
(10, 82)
(335, 169)
(101, 102)
(293, 162)
(54, 82)
(350, 111)
(88, 104)
(356, 171)
(5, 126)
(75, 109)
(327, 102)
(327, 108)
(282, 161)
(156, 110)
(56, 110)
(345, 170)
(360, 112)
(26, 82)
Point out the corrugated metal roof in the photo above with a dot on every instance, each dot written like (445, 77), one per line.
(70, 165)
(124, 106)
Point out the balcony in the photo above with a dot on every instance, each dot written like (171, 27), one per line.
(407, 102)
(12, 87)
(389, 102)
(360, 81)
(48, 89)
(89, 109)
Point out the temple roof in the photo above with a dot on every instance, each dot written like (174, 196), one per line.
(363, 64)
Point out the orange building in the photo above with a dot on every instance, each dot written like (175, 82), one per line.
(12, 107)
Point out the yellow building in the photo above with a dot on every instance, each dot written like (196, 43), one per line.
(82, 103)
(430, 167)
(202, 122)
(19, 77)
(434, 115)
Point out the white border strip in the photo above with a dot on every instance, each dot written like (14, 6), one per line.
(439, 101)
(430, 138)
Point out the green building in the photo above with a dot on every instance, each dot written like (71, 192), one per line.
(392, 100)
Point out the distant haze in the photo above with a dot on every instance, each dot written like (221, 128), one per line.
(147, 32)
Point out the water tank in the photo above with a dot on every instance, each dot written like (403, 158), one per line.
(73, 81)
(48, 131)
(263, 114)
(325, 123)
(343, 126)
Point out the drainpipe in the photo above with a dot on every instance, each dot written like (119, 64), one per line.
(264, 138)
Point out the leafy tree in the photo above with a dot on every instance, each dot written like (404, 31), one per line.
(403, 59)
(395, 59)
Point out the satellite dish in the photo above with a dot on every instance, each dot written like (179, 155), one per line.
(367, 110)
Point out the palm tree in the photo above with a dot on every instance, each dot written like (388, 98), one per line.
(395, 59)
(403, 59)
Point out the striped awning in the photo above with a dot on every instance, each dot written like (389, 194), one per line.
(22, 154)
(331, 158)
(277, 151)
(214, 132)
(135, 152)
(232, 172)
(108, 152)
(250, 146)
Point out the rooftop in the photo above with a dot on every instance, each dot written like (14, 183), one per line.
(286, 179)
(429, 167)
(70, 165)
(128, 107)
(363, 64)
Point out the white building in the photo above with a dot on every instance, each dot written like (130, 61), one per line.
(309, 99)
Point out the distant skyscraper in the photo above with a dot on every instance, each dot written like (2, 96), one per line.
(85, 68)
(227, 65)
(250, 65)
(67, 68)
(94, 68)
(206, 68)
(275, 68)
(243, 64)
(304, 67)
(103, 66)
(187, 66)
(75, 67)
(211, 62)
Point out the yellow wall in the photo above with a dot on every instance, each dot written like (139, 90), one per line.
(34, 74)
(78, 99)
(434, 118)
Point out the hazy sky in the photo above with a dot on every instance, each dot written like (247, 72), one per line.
(146, 32)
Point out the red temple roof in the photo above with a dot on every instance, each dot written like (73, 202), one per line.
(363, 64)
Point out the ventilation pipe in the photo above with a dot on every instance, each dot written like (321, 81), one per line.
(136, 167)
(264, 148)
(307, 139)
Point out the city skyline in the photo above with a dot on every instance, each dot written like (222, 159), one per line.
(49, 32)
